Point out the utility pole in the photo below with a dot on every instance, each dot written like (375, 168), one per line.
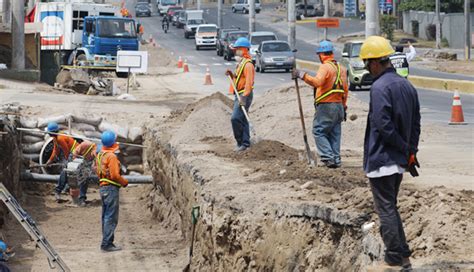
(219, 14)
(326, 15)
(467, 30)
(291, 23)
(198, 4)
(371, 18)
(251, 16)
(18, 34)
(438, 25)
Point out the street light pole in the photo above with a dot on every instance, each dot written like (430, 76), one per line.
(291, 23)
(371, 16)
(251, 16)
(438, 25)
(467, 30)
(219, 14)
(18, 34)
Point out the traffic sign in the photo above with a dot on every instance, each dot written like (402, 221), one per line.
(327, 23)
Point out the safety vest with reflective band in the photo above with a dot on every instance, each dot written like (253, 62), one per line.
(102, 175)
(400, 63)
(74, 145)
(337, 87)
(239, 74)
(88, 150)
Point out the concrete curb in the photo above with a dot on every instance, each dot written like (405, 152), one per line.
(463, 86)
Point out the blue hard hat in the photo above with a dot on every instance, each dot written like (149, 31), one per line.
(3, 246)
(108, 138)
(242, 42)
(53, 127)
(324, 47)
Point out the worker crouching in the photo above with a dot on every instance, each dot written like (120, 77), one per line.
(110, 181)
(330, 101)
(243, 80)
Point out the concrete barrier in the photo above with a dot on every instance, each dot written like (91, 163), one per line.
(463, 86)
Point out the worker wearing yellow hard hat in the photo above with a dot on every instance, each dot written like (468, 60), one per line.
(390, 145)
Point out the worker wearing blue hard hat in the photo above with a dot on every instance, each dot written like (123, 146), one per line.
(110, 181)
(330, 100)
(243, 82)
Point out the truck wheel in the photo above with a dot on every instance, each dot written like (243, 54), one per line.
(186, 35)
(244, 11)
(121, 74)
(81, 60)
(233, 10)
(197, 47)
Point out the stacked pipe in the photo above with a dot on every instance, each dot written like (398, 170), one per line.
(33, 143)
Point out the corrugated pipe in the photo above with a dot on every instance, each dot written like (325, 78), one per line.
(27, 175)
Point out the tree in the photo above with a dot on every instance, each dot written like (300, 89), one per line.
(451, 6)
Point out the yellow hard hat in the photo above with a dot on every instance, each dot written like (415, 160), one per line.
(375, 47)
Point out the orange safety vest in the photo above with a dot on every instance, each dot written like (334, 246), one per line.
(239, 74)
(103, 175)
(337, 87)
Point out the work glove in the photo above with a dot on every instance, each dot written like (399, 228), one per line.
(229, 73)
(412, 164)
(243, 101)
(297, 74)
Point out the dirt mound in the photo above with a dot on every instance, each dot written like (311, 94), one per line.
(208, 117)
(159, 57)
(265, 150)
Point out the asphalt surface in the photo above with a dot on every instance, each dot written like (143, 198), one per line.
(435, 105)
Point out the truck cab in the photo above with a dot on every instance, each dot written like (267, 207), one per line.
(163, 5)
(103, 36)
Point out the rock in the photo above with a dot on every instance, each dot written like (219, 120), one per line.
(283, 171)
(308, 185)
(353, 117)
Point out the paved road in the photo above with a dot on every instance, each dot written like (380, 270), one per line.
(436, 105)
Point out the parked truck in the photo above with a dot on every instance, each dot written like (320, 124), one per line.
(192, 19)
(85, 33)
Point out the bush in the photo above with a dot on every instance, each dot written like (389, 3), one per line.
(415, 28)
(387, 25)
(431, 32)
(444, 42)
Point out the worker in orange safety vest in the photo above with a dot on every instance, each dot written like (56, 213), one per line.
(330, 101)
(110, 181)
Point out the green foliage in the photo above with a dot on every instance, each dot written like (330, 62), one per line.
(387, 25)
(444, 42)
(451, 6)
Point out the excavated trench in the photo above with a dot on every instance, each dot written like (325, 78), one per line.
(266, 210)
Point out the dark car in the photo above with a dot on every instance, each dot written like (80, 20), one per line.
(142, 9)
(274, 55)
(181, 20)
(175, 17)
(172, 11)
(229, 41)
(221, 35)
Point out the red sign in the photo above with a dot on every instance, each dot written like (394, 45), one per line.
(327, 22)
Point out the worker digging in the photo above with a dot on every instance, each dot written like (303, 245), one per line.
(242, 87)
(330, 102)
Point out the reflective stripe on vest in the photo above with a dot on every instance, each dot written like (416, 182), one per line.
(88, 150)
(74, 145)
(335, 87)
(239, 74)
(99, 167)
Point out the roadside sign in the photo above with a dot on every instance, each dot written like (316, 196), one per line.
(327, 23)
(132, 61)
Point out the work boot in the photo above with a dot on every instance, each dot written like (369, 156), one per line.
(406, 264)
(111, 248)
(82, 203)
(57, 196)
(241, 148)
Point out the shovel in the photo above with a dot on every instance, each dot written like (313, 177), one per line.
(252, 129)
(195, 215)
(311, 161)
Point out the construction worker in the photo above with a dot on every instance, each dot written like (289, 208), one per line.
(400, 60)
(87, 151)
(63, 147)
(110, 181)
(243, 80)
(330, 101)
(391, 144)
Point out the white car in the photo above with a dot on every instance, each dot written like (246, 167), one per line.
(206, 36)
(243, 6)
(256, 38)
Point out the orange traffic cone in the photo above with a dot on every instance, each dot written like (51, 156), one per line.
(457, 116)
(185, 66)
(208, 79)
(180, 62)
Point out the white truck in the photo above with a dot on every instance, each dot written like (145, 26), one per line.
(163, 5)
(206, 36)
(192, 19)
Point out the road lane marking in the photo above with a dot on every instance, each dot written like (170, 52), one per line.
(217, 64)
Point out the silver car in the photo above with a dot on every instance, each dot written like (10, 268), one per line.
(275, 55)
(243, 6)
